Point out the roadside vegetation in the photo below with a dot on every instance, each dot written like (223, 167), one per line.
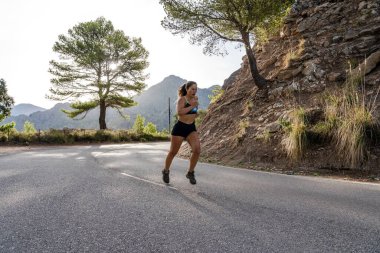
(294, 141)
(139, 133)
(6, 103)
(350, 120)
(348, 124)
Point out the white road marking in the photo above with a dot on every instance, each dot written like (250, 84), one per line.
(148, 181)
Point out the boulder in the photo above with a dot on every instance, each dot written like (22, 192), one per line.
(309, 68)
(368, 64)
(294, 86)
(337, 39)
(276, 92)
(273, 127)
(350, 35)
(289, 73)
(335, 77)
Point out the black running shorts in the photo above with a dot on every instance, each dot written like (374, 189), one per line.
(183, 129)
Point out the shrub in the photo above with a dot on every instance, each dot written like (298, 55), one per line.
(103, 135)
(3, 138)
(217, 93)
(53, 137)
(294, 140)
(243, 125)
(69, 136)
(6, 128)
(138, 126)
(29, 128)
(150, 128)
(83, 135)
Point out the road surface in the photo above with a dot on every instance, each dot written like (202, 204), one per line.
(111, 198)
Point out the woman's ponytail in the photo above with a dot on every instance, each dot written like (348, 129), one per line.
(182, 91)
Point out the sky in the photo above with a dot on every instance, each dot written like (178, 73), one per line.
(29, 29)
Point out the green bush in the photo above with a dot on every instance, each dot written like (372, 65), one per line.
(217, 93)
(29, 128)
(138, 126)
(150, 128)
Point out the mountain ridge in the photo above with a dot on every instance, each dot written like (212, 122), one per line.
(25, 109)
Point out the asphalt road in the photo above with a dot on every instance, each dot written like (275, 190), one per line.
(111, 199)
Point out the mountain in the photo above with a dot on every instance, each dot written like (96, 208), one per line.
(153, 104)
(25, 109)
(307, 65)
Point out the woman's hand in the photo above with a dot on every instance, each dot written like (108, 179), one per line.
(194, 101)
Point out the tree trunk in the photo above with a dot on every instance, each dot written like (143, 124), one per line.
(259, 80)
(102, 116)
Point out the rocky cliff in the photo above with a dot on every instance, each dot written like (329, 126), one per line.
(319, 43)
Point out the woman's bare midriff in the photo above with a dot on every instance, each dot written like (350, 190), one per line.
(188, 118)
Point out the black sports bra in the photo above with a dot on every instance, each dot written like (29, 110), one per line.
(192, 111)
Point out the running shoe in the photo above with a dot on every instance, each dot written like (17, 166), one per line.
(165, 176)
(191, 177)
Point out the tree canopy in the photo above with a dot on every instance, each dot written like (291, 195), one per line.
(100, 65)
(212, 23)
(6, 103)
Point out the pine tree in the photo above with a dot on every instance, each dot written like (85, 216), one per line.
(215, 22)
(100, 64)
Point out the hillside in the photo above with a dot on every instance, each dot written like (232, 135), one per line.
(25, 109)
(152, 104)
(307, 61)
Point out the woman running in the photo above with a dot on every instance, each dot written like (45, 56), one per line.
(184, 129)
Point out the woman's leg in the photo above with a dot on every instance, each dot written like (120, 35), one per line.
(193, 140)
(175, 144)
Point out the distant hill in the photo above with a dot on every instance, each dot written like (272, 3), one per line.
(25, 109)
(152, 104)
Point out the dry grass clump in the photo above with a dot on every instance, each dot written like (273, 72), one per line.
(349, 116)
(294, 140)
(243, 125)
(294, 55)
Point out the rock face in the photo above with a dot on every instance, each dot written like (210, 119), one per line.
(320, 42)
